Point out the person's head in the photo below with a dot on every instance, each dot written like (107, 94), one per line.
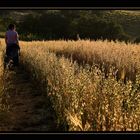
(11, 27)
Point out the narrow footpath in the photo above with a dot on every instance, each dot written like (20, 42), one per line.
(27, 108)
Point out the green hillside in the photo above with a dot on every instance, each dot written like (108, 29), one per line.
(130, 20)
(61, 24)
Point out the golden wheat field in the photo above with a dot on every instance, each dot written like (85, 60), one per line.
(93, 85)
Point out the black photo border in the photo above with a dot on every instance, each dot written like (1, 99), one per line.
(70, 5)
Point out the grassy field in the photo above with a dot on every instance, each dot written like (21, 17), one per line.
(103, 54)
(93, 85)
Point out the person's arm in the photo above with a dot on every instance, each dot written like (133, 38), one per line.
(6, 39)
(17, 38)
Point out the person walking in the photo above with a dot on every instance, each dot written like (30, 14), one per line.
(12, 44)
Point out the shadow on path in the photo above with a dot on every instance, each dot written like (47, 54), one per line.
(29, 108)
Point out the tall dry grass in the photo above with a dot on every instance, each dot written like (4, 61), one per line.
(3, 96)
(124, 57)
(82, 95)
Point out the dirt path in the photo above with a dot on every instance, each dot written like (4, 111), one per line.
(29, 109)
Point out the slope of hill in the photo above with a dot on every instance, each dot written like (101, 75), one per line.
(128, 19)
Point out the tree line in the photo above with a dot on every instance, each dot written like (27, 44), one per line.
(69, 24)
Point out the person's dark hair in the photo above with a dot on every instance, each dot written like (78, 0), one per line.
(11, 26)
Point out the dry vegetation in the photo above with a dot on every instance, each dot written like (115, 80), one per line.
(123, 57)
(93, 85)
(4, 107)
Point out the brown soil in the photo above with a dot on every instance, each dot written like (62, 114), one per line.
(27, 108)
